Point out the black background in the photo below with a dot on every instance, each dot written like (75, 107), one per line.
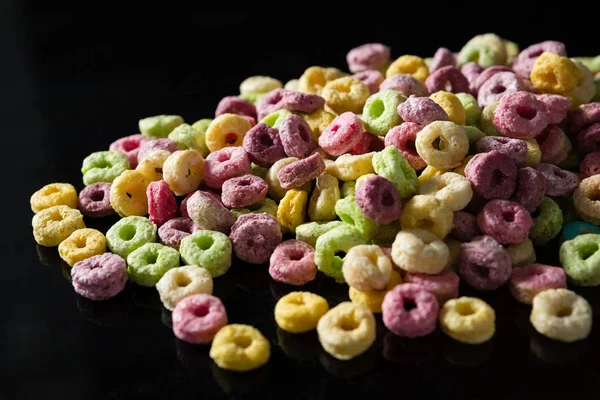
(71, 84)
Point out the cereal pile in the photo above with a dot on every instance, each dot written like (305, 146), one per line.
(399, 179)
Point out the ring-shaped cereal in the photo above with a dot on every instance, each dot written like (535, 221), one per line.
(561, 314)
(147, 264)
(292, 210)
(428, 213)
(419, 251)
(528, 281)
(53, 225)
(367, 56)
(553, 73)
(238, 347)
(94, 200)
(347, 330)
(292, 262)
(299, 312)
(325, 195)
(128, 194)
(259, 84)
(342, 134)
(451, 104)
(468, 320)
(450, 188)
(314, 79)
(318, 121)
(210, 250)
(443, 286)
(380, 114)
(129, 234)
(345, 94)
(159, 126)
(404, 84)
(181, 282)
(54, 194)
(506, 221)
(191, 137)
(408, 64)
(548, 224)
(197, 318)
(410, 310)
(152, 165)
(366, 267)
(81, 244)
(521, 253)
(390, 164)
(226, 130)
(309, 232)
(447, 78)
(373, 299)
(403, 137)
(339, 239)
(580, 259)
(103, 166)
(484, 264)
(348, 167)
(183, 171)
(520, 115)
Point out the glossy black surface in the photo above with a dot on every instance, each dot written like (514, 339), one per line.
(72, 84)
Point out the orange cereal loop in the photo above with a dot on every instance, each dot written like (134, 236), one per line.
(128, 194)
(226, 130)
(152, 165)
(411, 65)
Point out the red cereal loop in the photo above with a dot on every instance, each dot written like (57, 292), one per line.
(520, 115)
(162, 205)
(342, 134)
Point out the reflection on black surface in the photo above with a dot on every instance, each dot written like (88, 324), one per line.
(224, 285)
(146, 297)
(347, 369)
(278, 289)
(66, 271)
(106, 312)
(194, 356)
(299, 346)
(252, 278)
(48, 255)
(558, 353)
(241, 383)
(101, 224)
(466, 355)
(417, 351)
(165, 317)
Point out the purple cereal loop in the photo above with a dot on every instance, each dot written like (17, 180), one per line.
(198, 318)
(243, 191)
(370, 77)
(531, 188)
(367, 56)
(442, 58)
(296, 136)
(174, 230)
(557, 107)
(254, 237)
(465, 226)
(497, 87)
(524, 62)
(471, 71)
(130, 145)
(444, 286)
(404, 84)
(263, 145)
(516, 149)
(582, 116)
(506, 221)
(224, 164)
(588, 139)
(290, 100)
(344, 132)
(300, 172)
(493, 175)
(487, 74)
(292, 262)
(155, 145)
(208, 212)
(379, 200)
(100, 277)
(421, 110)
(484, 264)
(559, 182)
(447, 78)
(531, 279)
(520, 115)
(94, 200)
(410, 310)
(235, 105)
(590, 165)
(554, 145)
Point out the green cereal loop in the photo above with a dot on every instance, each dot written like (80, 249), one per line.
(482, 54)
(348, 189)
(592, 63)
(311, 231)
(187, 137)
(275, 118)
(129, 234)
(210, 250)
(380, 112)
(386, 233)
(103, 166)
(473, 135)
(257, 170)
(547, 225)
(159, 126)
(351, 214)
(266, 206)
(340, 239)
(251, 97)
(390, 164)
(580, 259)
(472, 110)
(201, 126)
(486, 121)
(150, 262)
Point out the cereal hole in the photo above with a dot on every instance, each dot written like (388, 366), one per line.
(128, 146)
(244, 182)
(55, 216)
(595, 195)
(304, 134)
(80, 243)
(127, 232)
(536, 53)
(298, 300)
(295, 255)
(200, 311)
(158, 170)
(508, 216)
(204, 242)
(465, 309)
(411, 146)
(265, 140)
(481, 270)
(97, 196)
(348, 324)
(409, 305)
(376, 109)
(343, 89)
(564, 312)
(222, 157)
(387, 200)
(587, 250)
(102, 164)
(129, 195)
(182, 280)
(497, 177)
(536, 213)
(151, 258)
(498, 89)
(526, 112)
(341, 254)
(51, 190)
(242, 341)
(230, 138)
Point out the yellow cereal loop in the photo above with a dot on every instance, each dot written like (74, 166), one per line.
(429, 172)
(372, 299)
(345, 94)
(534, 154)
(349, 168)
(521, 254)
(428, 213)
(347, 330)
(411, 65)
(259, 84)
(461, 168)
(442, 144)
(292, 210)
(552, 73)
(318, 121)
(451, 104)
(314, 79)
(54, 194)
(468, 320)
(183, 171)
(450, 188)
(53, 225)
(366, 267)
(82, 244)
(298, 312)
(128, 194)
(226, 130)
(419, 251)
(152, 165)
(238, 347)
(321, 206)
